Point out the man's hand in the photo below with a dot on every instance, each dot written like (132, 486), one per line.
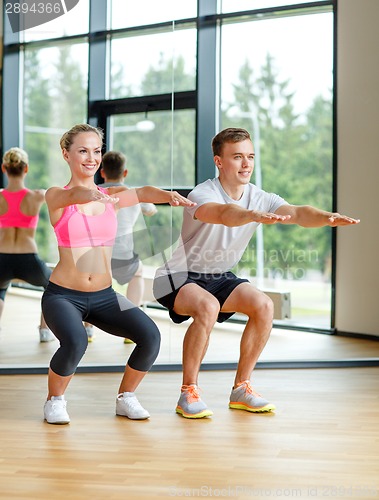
(337, 219)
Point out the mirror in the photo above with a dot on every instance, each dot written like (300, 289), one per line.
(55, 74)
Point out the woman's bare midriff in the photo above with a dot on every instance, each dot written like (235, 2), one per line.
(83, 269)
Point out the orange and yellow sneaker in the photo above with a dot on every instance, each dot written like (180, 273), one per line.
(190, 404)
(243, 397)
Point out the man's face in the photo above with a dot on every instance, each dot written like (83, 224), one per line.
(236, 163)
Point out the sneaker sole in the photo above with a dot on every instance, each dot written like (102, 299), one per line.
(262, 409)
(44, 340)
(201, 414)
(63, 422)
(130, 418)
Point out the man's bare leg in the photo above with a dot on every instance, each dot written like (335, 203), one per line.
(193, 301)
(259, 309)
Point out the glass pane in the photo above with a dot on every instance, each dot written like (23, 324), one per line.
(241, 5)
(152, 143)
(126, 13)
(155, 237)
(153, 64)
(55, 98)
(73, 22)
(280, 88)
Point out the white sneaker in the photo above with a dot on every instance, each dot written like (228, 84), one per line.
(55, 411)
(45, 335)
(127, 405)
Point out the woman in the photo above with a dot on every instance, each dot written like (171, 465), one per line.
(19, 212)
(84, 220)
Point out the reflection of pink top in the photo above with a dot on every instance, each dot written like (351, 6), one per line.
(76, 229)
(14, 217)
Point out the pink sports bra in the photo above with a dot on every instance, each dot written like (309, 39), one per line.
(14, 217)
(76, 229)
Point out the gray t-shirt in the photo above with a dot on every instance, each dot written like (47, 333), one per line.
(126, 219)
(215, 248)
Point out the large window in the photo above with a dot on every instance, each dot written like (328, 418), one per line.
(281, 90)
(128, 13)
(154, 143)
(67, 23)
(161, 78)
(163, 62)
(244, 5)
(54, 98)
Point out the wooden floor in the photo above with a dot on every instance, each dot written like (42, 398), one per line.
(322, 442)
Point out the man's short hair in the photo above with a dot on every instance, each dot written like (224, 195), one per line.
(228, 135)
(113, 164)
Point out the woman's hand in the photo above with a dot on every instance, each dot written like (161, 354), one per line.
(97, 195)
(151, 194)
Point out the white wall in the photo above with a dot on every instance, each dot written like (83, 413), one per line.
(357, 284)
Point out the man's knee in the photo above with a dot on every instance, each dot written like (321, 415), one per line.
(263, 308)
(207, 310)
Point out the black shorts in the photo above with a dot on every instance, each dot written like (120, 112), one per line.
(221, 285)
(24, 266)
(123, 270)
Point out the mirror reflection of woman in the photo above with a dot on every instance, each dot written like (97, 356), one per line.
(19, 213)
(84, 217)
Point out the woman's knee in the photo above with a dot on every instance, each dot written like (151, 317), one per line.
(68, 356)
(148, 338)
(153, 342)
(146, 350)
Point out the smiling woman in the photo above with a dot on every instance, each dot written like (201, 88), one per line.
(80, 289)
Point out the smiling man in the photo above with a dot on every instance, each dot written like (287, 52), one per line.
(197, 282)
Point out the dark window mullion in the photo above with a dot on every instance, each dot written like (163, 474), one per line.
(207, 92)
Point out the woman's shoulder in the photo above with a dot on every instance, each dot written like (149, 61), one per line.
(52, 190)
(52, 193)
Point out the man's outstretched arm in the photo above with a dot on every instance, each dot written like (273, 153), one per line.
(308, 216)
(233, 215)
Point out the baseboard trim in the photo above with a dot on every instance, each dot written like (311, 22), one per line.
(268, 365)
(365, 336)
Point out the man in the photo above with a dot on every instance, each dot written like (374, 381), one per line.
(196, 282)
(126, 264)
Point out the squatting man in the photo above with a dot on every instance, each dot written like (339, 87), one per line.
(196, 283)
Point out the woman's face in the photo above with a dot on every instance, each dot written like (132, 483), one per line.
(84, 155)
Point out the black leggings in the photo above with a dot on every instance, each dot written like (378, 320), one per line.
(65, 310)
